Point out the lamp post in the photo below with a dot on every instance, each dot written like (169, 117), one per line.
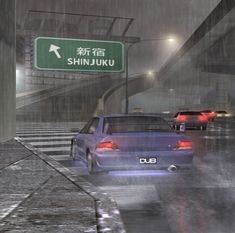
(127, 64)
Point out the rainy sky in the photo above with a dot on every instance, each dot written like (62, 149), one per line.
(153, 19)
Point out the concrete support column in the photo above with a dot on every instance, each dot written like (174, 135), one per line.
(7, 70)
(221, 93)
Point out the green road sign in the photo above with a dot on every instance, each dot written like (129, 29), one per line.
(78, 55)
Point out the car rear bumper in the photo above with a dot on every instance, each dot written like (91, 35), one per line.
(128, 161)
(191, 124)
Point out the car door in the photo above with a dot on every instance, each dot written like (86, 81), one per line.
(85, 137)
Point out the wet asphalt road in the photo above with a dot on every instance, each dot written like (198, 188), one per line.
(201, 200)
(197, 201)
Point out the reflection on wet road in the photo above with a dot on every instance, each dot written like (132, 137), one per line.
(197, 201)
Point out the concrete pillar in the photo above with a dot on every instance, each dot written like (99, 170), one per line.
(221, 93)
(7, 70)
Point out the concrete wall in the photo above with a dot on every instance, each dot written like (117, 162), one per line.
(7, 69)
(111, 101)
(114, 103)
(157, 101)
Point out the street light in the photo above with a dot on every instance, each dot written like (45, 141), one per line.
(150, 73)
(170, 39)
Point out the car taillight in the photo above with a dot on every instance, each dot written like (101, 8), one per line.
(181, 118)
(184, 144)
(212, 114)
(106, 145)
(202, 118)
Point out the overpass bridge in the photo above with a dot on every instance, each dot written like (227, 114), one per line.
(201, 73)
(204, 67)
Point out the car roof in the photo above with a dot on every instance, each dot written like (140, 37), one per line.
(131, 115)
(207, 110)
(190, 112)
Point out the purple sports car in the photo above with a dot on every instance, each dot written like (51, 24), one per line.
(123, 142)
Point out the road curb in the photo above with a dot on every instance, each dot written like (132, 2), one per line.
(107, 213)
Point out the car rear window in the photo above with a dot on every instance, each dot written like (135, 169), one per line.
(206, 111)
(221, 112)
(135, 124)
(190, 113)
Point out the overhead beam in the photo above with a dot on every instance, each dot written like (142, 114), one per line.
(111, 27)
(127, 26)
(73, 14)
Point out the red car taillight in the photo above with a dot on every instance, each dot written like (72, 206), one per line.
(106, 145)
(202, 118)
(184, 144)
(212, 114)
(181, 118)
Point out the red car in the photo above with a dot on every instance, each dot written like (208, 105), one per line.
(191, 119)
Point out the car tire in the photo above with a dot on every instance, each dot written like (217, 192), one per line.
(73, 151)
(176, 127)
(204, 127)
(90, 164)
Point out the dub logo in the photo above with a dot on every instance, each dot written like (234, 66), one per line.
(148, 160)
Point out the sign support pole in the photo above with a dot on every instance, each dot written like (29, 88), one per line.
(127, 99)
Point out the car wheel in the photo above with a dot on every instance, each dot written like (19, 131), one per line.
(90, 163)
(176, 127)
(73, 151)
(204, 127)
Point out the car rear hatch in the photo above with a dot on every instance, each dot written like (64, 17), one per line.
(142, 150)
(150, 141)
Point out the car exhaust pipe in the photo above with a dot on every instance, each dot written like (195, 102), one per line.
(172, 168)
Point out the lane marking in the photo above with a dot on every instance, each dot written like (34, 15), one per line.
(61, 157)
(50, 143)
(51, 138)
(45, 150)
(44, 134)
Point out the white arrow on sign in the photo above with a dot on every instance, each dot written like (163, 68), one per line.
(54, 48)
